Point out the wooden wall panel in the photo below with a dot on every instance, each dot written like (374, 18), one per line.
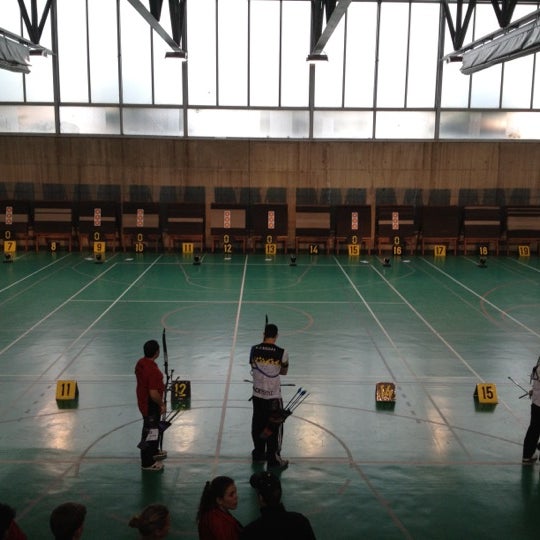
(519, 163)
(274, 156)
(466, 165)
(244, 163)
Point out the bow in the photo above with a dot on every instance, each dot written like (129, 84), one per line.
(166, 366)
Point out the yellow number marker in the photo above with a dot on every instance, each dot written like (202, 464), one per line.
(439, 251)
(67, 390)
(486, 393)
(181, 394)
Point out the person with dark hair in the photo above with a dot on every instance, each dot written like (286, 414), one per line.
(9, 529)
(153, 522)
(67, 521)
(150, 392)
(274, 522)
(268, 362)
(530, 443)
(214, 518)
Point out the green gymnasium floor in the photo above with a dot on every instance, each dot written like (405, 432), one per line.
(436, 466)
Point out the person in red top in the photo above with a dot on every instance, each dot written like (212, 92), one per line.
(150, 391)
(9, 530)
(214, 518)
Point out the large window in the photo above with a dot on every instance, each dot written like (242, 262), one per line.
(247, 74)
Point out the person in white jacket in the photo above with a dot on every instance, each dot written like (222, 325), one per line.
(530, 443)
(268, 362)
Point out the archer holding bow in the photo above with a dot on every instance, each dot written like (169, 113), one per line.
(268, 362)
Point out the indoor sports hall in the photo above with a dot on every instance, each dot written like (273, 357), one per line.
(365, 174)
(436, 463)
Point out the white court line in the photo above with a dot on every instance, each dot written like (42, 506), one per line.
(229, 371)
(43, 319)
(411, 307)
(32, 274)
(257, 302)
(441, 414)
(375, 318)
(433, 330)
(484, 300)
(89, 327)
(527, 266)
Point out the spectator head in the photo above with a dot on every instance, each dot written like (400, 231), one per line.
(220, 492)
(268, 488)
(67, 521)
(150, 348)
(153, 522)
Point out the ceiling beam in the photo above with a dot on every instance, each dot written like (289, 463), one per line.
(175, 44)
(33, 26)
(504, 13)
(334, 12)
(177, 11)
(459, 30)
(155, 8)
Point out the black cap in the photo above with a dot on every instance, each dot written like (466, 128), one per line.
(265, 483)
(270, 330)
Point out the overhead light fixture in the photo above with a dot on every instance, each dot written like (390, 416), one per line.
(16, 50)
(38, 52)
(520, 38)
(180, 54)
(316, 57)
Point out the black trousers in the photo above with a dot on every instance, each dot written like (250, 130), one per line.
(149, 448)
(533, 433)
(267, 436)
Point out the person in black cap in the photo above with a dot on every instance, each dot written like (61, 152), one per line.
(275, 522)
(67, 521)
(268, 362)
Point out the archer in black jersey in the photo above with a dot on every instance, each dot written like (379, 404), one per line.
(268, 362)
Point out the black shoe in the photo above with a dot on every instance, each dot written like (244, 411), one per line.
(279, 463)
(161, 454)
(157, 466)
(257, 460)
